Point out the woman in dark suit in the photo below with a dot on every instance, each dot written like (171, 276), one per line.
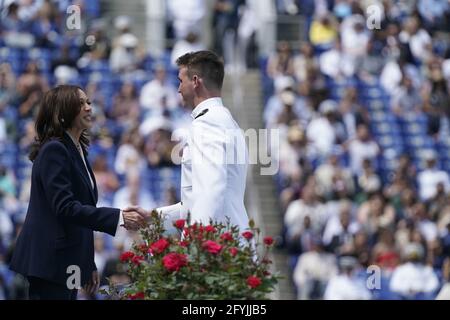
(55, 249)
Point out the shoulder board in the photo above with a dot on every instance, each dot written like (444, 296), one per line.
(201, 113)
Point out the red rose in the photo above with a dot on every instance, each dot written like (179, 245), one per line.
(137, 260)
(210, 228)
(179, 224)
(174, 261)
(212, 247)
(159, 246)
(227, 237)
(266, 273)
(126, 256)
(143, 248)
(184, 244)
(139, 295)
(234, 251)
(247, 235)
(253, 282)
(268, 241)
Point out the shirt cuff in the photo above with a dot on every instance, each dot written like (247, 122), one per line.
(121, 221)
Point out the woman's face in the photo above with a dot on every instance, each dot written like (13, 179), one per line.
(83, 120)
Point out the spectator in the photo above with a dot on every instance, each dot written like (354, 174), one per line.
(355, 38)
(64, 58)
(125, 108)
(126, 57)
(323, 31)
(44, 27)
(159, 94)
(107, 180)
(413, 279)
(225, 22)
(345, 285)
(376, 213)
(16, 29)
(97, 52)
(186, 16)
(340, 230)
(313, 271)
(30, 87)
(418, 40)
(406, 99)
(190, 43)
(285, 93)
(304, 61)
(282, 62)
(352, 113)
(384, 252)
(130, 153)
(7, 86)
(325, 131)
(444, 293)
(158, 148)
(434, 13)
(336, 64)
(436, 98)
(424, 224)
(333, 180)
(293, 152)
(307, 205)
(429, 178)
(360, 148)
(368, 180)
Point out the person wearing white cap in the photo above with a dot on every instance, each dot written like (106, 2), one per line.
(414, 279)
(124, 57)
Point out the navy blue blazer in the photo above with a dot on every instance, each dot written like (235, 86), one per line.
(61, 217)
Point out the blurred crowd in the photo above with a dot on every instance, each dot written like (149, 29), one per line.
(136, 110)
(363, 107)
(138, 117)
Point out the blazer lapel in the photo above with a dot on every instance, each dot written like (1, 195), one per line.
(80, 165)
(93, 179)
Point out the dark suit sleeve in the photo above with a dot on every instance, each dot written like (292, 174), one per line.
(55, 176)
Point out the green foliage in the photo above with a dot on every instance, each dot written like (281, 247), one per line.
(202, 262)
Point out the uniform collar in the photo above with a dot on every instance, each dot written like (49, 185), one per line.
(206, 104)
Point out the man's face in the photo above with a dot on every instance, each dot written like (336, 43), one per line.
(186, 88)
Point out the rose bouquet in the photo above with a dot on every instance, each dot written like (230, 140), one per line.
(214, 261)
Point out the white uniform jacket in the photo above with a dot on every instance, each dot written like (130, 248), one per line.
(213, 169)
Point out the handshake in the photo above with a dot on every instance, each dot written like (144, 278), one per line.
(135, 218)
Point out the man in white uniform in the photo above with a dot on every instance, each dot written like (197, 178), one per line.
(215, 158)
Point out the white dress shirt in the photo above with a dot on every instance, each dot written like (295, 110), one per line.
(213, 169)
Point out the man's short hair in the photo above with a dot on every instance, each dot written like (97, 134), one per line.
(206, 64)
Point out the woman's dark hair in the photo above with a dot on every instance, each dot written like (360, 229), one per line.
(58, 109)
